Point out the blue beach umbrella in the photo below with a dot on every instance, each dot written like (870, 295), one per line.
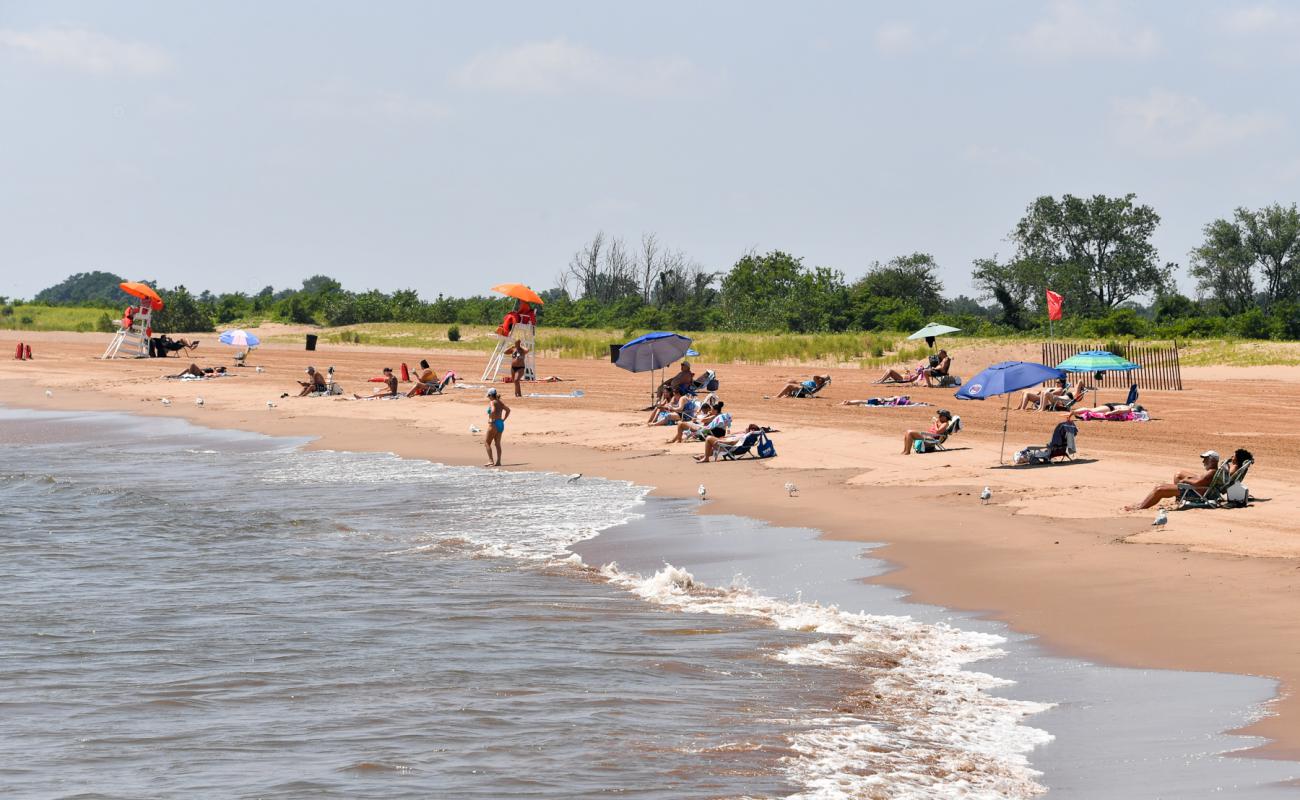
(1097, 361)
(651, 352)
(1005, 378)
(239, 337)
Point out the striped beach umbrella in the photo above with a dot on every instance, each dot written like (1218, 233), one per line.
(1097, 361)
(239, 337)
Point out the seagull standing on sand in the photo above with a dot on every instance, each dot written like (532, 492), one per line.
(702, 492)
(985, 495)
(1161, 520)
(166, 402)
(791, 489)
(474, 429)
(48, 393)
(269, 404)
(259, 369)
(198, 401)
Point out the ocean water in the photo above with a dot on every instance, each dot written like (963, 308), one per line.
(195, 613)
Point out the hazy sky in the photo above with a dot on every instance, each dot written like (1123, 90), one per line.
(446, 147)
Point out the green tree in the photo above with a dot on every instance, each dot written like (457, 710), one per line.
(1267, 240)
(1013, 285)
(913, 278)
(1096, 251)
(85, 289)
(181, 313)
(759, 290)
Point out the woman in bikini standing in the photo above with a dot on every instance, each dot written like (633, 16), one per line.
(517, 353)
(498, 412)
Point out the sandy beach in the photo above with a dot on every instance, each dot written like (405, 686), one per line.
(1052, 554)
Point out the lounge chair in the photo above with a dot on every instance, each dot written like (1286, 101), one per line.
(723, 419)
(1062, 443)
(756, 444)
(1132, 395)
(708, 382)
(932, 444)
(804, 391)
(1192, 496)
(945, 381)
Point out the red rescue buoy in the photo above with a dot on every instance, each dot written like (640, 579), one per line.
(406, 373)
(27, 349)
(18, 354)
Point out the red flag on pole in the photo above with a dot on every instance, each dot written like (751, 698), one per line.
(1054, 301)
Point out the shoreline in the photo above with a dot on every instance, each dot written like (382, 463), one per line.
(1070, 581)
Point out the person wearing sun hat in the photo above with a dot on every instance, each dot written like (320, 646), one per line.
(1199, 478)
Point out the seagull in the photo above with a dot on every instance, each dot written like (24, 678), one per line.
(48, 393)
(166, 402)
(474, 429)
(985, 495)
(269, 404)
(1160, 519)
(198, 401)
(702, 492)
(791, 489)
(259, 369)
(574, 477)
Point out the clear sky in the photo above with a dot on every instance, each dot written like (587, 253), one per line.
(449, 146)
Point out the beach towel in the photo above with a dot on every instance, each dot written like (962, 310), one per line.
(1115, 416)
(894, 402)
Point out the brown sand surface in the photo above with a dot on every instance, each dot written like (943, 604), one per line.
(1052, 554)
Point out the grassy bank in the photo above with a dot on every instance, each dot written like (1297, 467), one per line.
(50, 318)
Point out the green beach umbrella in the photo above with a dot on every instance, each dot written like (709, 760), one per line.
(932, 330)
(1097, 361)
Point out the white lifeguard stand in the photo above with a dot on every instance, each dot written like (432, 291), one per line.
(527, 335)
(135, 338)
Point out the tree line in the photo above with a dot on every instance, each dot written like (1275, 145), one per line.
(1096, 251)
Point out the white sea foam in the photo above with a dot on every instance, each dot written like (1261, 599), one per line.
(922, 727)
(532, 516)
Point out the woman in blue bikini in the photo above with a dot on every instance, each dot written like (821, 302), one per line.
(498, 412)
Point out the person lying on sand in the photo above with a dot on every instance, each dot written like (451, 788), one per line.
(938, 429)
(1198, 478)
(710, 421)
(711, 443)
(315, 383)
(1106, 409)
(803, 388)
(389, 389)
(892, 400)
(200, 372)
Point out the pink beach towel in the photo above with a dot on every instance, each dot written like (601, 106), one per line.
(1115, 416)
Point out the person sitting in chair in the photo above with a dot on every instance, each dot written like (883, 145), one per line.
(939, 428)
(1198, 478)
(426, 382)
(1042, 399)
(940, 363)
(680, 383)
(711, 443)
(804, 388)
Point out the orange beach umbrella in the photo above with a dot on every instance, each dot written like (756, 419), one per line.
(143, 291)
(519, 292)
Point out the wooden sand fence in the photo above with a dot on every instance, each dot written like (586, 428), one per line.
(1159, 364)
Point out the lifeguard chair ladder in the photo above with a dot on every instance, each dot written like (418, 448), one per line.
(527, 335)
(135, 337)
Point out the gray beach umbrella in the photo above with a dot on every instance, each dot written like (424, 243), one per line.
(932, 330)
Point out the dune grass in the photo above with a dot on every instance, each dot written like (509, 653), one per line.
(51, 318)
(865, 350)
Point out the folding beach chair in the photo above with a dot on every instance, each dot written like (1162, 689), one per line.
(1192, 496)
(931, 445)
(1132, 395)
(708, 382)
(804, 391)
(756, 444)
(1062, 443)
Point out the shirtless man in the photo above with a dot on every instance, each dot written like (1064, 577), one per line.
(314, 383)
(1200, 479)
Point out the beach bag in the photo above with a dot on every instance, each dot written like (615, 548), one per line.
(765, 448)
(1033, 456)
(1237, 494)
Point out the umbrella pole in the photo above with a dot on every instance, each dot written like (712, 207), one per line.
(1006, 412)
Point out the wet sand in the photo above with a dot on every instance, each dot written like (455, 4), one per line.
(1052, 555)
